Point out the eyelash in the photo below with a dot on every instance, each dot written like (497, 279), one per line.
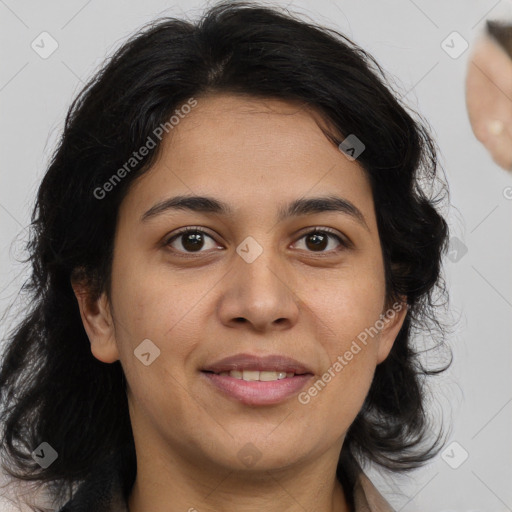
(196, 229)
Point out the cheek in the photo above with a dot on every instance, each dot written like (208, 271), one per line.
(157, 310)
(348, 340)
(346, 310)
(149, 305)
(347, 302)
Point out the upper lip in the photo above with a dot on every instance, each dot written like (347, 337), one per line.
(257, 363)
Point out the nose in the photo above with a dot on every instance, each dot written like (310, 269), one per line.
(259, 294)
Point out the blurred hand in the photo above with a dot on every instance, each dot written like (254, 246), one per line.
(489, 99)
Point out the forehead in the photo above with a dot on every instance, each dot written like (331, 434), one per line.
(244, 149)
(256, 124)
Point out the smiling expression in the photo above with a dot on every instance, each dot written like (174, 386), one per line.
(250, 179)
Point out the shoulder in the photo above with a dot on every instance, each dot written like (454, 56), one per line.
(367, 498)
(107, 487)
(361, 494)
(97, 495)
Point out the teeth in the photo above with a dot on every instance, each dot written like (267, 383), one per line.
(253, 375)
(266, 376)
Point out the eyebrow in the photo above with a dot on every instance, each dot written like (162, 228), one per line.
(303, 206)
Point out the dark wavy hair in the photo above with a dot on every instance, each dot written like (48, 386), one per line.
(51, 386)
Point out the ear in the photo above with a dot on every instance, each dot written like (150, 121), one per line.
(489, 99)
(98, 324)
(393, 319)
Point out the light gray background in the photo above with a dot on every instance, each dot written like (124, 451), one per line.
(405, 36)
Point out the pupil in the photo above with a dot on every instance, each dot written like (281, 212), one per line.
(196, 241)
(320, 240)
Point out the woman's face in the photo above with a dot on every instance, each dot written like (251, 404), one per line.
(253, 282)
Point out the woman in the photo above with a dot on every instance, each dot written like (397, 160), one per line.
(231, 249)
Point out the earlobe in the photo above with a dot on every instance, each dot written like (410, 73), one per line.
(393, 319)
(98, 324)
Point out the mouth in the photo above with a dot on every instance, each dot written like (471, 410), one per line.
(255, 375)
(257, 380)
(250, 365)
(255, 392)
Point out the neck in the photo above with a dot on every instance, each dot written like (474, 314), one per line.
(160, 487)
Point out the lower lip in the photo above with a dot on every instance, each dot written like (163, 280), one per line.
(258, 392)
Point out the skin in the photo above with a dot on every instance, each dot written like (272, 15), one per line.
(294, 299)
(489, 99)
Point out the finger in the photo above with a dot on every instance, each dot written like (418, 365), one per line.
(499, 143)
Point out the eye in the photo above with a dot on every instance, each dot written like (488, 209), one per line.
(318, 239)
(193, 239)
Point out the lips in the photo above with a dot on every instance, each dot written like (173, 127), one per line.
(257, 380)
(252, 363)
